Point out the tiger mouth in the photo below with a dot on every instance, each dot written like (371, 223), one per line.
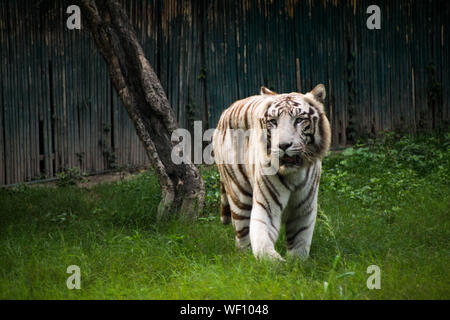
(291, 161)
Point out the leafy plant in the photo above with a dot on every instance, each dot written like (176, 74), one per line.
(70, 177)
(211, 179)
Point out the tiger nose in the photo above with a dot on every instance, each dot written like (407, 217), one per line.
(284, 146)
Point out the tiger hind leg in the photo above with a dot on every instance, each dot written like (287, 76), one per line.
(225, 213)
(241, 225)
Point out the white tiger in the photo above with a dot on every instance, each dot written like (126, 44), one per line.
(290, 130)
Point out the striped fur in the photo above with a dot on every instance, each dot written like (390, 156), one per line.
(291, 129)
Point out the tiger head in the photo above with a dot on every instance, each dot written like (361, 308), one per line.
(297, 128)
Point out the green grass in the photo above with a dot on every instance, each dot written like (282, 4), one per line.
(385, 203)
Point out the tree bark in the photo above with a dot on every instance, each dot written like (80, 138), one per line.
(142, 94)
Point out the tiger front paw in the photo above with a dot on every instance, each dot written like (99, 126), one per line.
(269, 254)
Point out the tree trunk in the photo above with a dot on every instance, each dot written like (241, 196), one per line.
(141, 92)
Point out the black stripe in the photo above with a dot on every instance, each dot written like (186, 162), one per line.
(283, 182)
(225, 210)
(224, 133)
(271, 238)
(305, 180)
(236, 216)
(236, 182)
(242, 233)
(262, 205)
(291, 238)
(247, 110)
(311, 137)
(267, 181)
(314, 126)
(244, 174)
(311, 190)
(238, 203)
(269, 210)
(259, 220)
(265, 223)
(312, 200)
(321, 126)
(230, 118)
(311, 171)
(272, 193)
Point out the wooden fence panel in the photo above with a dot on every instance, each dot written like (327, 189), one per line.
(58, 108)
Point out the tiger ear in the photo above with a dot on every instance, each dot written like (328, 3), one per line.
(264, 90)
(319, 93)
